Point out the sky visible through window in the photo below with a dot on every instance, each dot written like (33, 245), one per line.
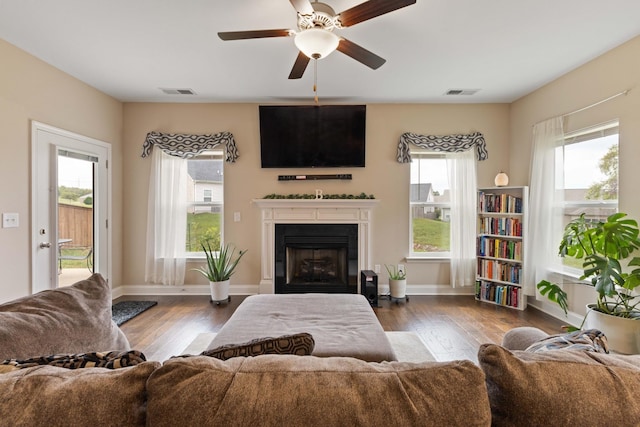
(75, 173)
(581, 161)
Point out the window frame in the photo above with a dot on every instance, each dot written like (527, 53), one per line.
(587, 134)
(192, 205)
(425, 256)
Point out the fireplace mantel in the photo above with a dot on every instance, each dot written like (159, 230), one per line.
(310, 211)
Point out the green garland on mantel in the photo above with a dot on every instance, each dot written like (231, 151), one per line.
(361, 196)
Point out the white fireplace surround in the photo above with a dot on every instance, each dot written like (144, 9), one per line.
(309, 211)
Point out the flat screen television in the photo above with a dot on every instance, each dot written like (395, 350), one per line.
(311, 136)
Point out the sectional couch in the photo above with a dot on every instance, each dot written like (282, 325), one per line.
(509, 387)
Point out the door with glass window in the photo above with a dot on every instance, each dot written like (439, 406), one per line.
(70, 207)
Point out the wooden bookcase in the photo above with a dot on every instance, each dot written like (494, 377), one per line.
(501, 237)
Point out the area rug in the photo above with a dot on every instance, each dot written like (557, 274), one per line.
(127, 310)
(407, 345)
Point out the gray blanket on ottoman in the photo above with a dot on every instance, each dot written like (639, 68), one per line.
(341, 324)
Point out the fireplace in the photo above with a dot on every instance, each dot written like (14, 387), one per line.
(316, 258)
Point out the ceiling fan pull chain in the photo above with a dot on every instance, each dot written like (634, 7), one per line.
(315, 80)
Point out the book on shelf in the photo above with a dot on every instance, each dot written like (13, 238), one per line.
(499, 248)
(501, 226)
(499, 203)
(507, 295)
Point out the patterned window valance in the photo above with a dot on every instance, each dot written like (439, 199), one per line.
(449, 143)
(187, 146)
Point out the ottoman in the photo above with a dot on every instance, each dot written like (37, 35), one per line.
(341, 324)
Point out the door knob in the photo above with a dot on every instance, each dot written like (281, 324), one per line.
(45, 245)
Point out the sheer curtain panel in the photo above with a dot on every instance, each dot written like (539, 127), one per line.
(545, 203)
(463, 184)
(166, 220)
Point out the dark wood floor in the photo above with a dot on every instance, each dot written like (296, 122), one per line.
(453, 327)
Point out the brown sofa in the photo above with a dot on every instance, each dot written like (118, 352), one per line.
(508, 388)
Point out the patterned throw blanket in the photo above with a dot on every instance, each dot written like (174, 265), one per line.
(588, 340)
(109, 360)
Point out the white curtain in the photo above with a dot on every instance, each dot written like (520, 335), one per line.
(166, 220)
(545, 203)
(463, 184)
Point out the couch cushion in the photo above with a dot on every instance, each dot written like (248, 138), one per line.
(73, 319)
(51, 396)
(561, 388)
(282, 390)
(297, 344)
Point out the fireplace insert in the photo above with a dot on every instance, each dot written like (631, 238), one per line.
(316, 258)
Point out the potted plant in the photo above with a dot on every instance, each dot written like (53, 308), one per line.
(397, 281)
(220, 266)
(603, 245)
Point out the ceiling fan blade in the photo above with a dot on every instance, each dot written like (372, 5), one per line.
(303, 7)
(299, 66)
(360, 54)
(256, 34)
(370, 9)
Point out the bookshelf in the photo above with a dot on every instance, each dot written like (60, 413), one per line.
(501, 235)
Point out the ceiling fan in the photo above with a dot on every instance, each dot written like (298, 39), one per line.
(315, 37)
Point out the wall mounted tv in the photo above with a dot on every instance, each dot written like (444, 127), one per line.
(312, 136)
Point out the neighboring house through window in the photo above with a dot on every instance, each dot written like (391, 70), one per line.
(430, 205)
(205, 198)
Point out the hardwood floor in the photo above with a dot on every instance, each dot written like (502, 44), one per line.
(452, 327)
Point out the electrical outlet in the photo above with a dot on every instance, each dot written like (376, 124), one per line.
(376, 268)
(401, 268)
(236, 216)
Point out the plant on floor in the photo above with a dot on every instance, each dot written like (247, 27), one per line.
(220, 264)
(602, 245)
(395, 273)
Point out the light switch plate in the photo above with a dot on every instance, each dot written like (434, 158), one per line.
(10, 220)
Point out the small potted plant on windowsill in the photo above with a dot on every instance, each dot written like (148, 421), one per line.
(397, 282)
(603, 245)
(220, 267)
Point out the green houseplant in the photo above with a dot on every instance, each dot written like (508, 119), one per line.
(606, 248)
(219, 268)
(397, 281)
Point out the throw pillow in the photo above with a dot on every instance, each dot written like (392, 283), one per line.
(301, 344)
(72, 319)
(588, 340)
(110, 360)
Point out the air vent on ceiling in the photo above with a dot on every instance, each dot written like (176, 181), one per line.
(461, 91)
(173, 91)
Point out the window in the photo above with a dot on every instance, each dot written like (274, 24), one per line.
(430, 205)
(205, 198)
(587, 169)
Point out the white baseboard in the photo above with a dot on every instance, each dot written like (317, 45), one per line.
(255, 289)
(553, 310)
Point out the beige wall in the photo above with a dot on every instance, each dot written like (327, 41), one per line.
(33, 90)
(245, 180)
(611, 73)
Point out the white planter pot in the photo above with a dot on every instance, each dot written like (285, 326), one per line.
(219, 291)
(398, 288)
(623, 335)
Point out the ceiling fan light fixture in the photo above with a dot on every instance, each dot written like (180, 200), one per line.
(316, 42)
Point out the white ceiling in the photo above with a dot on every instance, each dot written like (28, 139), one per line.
(132, 48)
